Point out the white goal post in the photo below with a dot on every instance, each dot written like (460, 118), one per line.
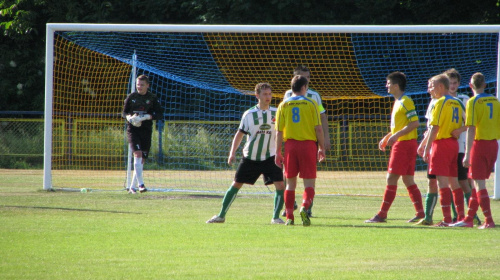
(53, 28)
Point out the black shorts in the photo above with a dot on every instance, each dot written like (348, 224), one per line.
(462, 171)
(139, 140)
(249, 171)
(430, 176)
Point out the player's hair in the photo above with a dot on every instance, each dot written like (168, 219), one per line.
(143, 78)
(442, 79)
(300, 68)
(452, 73)
(477, 80)
(261, 86)
(398, 78)
(298, 82)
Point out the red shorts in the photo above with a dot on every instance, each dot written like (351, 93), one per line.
(482, 159)
(403, 157)
(300, 157)
(443, 158)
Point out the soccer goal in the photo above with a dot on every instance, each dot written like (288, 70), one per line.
(204, 76)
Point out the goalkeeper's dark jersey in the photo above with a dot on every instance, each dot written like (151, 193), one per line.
(136, 103)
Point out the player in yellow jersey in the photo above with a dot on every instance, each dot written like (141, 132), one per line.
(403, 139)
(483, 132)
(447, 116)
(298, 123)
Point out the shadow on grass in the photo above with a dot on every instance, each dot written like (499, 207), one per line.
(68, 209)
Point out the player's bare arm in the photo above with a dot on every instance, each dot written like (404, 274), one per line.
(383, 143)
(456, 133)
(421, 147)
(471, 134)
(432, 136)
(238, 137)
(278, 160)
(321, 143)
(407, 129)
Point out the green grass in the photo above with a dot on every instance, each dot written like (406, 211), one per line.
(113, 235)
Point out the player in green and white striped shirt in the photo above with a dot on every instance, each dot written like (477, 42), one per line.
(258, 154)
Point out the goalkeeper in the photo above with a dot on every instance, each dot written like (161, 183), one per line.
(140, 108)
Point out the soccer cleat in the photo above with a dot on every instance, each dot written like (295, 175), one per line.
(305, 218)
(477, 221)
(309, 213)
(424, 222)
(487, 225)
(216, 220)
(142, 188)
(414, 219)
(376, 219)
(462, 224)
(442, 224)
(277, 221)
(289, 222)
(132, 191)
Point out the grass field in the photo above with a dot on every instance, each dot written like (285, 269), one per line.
(113, 235)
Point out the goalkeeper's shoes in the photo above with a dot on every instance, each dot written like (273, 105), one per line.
(305, 218)
(487, 225)
(283, 214)
(376, 219)
(277, 221)
(216, 220)
(462, 224)
(477, 221)
(142, 188)
(132, 191)
(424, 222)
(289, 222)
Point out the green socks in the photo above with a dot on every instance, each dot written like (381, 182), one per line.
(430, 203)
(228, 199)
(279, 200)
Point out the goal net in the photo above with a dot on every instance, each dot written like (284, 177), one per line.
(204, 77)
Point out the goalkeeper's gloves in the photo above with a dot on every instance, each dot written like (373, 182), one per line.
(145, 117)
(135, 120)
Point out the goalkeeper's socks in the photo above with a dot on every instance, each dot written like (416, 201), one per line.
(453, 207)
(389, 195)
(445, 200)
(307, 197)
(289, 202)
(138, 168)
(416, 198)
(484, 202)
(458, 197)
(430, 203)
(228, 200)
(279, 200)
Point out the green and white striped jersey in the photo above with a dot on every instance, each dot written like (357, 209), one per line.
(258, 125)
(309, 94)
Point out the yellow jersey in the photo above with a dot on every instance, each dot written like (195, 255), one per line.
(403, 113)
(297, 118)
(483, 112)
(448, 115)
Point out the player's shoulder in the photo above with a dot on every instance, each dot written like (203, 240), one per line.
(312, 92)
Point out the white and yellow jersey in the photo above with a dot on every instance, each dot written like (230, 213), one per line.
(311, 94)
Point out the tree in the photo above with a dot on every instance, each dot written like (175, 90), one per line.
(22, 23)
